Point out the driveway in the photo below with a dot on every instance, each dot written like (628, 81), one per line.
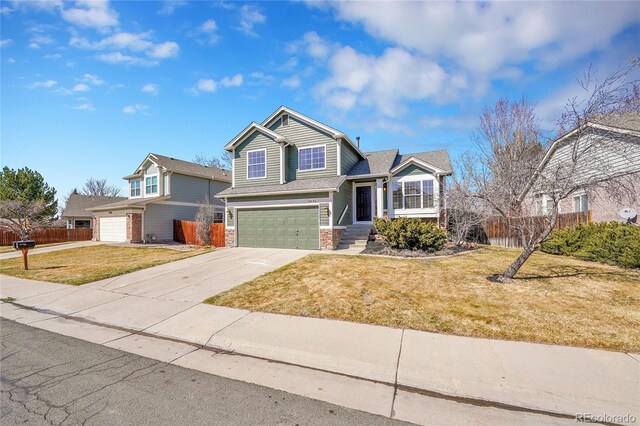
(199, 277)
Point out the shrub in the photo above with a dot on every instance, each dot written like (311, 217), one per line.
(613, 243)
(411, 233)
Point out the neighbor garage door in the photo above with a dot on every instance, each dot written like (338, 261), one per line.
(113, 229)
(292, 227)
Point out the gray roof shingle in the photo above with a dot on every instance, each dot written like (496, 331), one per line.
(439, 159)
(78, 204)
(625, 120)
(130, 202)
(308, 185)
(193, 169)
(375, 163)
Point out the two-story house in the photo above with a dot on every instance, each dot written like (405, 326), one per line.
(298, 183)
(160, 190)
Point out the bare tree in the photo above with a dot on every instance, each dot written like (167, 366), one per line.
(221, 162)
(99, 187)
(510, 172)
(205, 216)
(23, 217)
(465, 213)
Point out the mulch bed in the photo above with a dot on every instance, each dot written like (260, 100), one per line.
(380, 247)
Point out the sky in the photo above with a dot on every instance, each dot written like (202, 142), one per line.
(89, 88)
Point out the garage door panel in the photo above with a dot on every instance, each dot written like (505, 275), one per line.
(287, 227)
(113, 229)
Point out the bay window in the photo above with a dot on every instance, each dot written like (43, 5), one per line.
(418, 194)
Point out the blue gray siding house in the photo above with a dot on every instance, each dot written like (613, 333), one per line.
(161, 189)
(298, 183)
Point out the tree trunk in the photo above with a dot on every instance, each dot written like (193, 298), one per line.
(513, 269)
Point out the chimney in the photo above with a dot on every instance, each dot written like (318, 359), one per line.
(358, 141)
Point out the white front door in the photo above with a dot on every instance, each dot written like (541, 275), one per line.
(113, 229)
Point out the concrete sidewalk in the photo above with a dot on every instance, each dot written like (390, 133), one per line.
(409, 375)
(57, 247)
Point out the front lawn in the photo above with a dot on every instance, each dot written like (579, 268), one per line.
(87, 264)
(9, 249)
(554, 299)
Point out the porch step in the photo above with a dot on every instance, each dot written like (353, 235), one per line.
(355, 236)
(348, 246)
(358, 241)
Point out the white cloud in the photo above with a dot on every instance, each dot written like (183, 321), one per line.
(207, 33)
(86, 106)
(39, 5)
(42, 39)
(312, 44)
(11, 61)
(151, 89)
(169, 7)
(119, 58)
(92, 14)
(93, 79)
(485, 37)
(292, 82)
(250, 16)
(5, 10)
(168, 49)
(5, 42)
(206, 85)
(134, 108)
(235, 81)
(81, 87)
(34, 46)
(53, 56)
(46, 84)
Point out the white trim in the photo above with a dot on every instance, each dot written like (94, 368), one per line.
(414, 212)
(233, 168)
(325, 227)
(379, 198)
(344, 212)
(282, 156)
(371, 185)
(140, 179)
(144, 181)
(421, 163)
(275, 206)
(299, 191)
(272, 203)
(265, 163)
(323, 145)
(339, 227)
(339, 155)
(185, 204)
(253, 126)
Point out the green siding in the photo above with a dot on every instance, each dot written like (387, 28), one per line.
(257, 141)
(283, 196)
(190, 189)
(349, 158)
(230, 216)
(324, 217)
(158, 219)
(413, 170)
(340, 199)
(301, 135)
(292, 227)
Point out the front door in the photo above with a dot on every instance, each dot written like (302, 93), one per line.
(363, 204)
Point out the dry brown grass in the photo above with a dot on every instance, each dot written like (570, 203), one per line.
(87, 264)
(554, 299)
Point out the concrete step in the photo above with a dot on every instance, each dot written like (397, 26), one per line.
(353, 241)
(356, 245)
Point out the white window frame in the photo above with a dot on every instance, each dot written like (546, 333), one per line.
(265, 164)
(156, 175)
(580, 196)
(139, 180)
(421, 179)
(324, 147)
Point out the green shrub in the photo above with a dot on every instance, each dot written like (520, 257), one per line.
(613, 243)
(411, 233)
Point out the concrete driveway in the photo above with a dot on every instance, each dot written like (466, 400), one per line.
(199, 277)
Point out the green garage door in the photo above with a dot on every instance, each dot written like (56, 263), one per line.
(286, 227)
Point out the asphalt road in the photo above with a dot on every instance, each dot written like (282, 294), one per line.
(47, 378)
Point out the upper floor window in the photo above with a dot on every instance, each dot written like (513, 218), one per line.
(151, 185)
(417, 194)
(580, 203)
(135, 188)
(285, 120)
(257, 164)
(312, 158)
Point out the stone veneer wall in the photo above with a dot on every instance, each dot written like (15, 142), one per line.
(96, 229)
(230, 237)
(330, 238)
(134, 227)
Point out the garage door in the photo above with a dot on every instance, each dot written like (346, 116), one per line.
(292, 227)
(113, 229)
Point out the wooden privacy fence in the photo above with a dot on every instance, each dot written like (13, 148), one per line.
(49, 235)
(184, 232)
(500, 234)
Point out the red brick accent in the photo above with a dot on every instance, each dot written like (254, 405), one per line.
(330, 238)
(230, 237)
(134, 227)
(96, 229)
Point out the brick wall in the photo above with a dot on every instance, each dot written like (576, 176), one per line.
(330, 238)
(134, 227)
(230, 237)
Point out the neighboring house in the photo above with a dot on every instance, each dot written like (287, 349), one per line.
(160, 190)
(298, 183)
(608, 149)
(75, 212)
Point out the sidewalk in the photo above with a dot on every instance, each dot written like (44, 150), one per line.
(62, 246)
(420, 377)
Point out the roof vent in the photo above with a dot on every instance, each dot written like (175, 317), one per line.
(358, 141)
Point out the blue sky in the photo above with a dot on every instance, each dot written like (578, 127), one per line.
(90, 87)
